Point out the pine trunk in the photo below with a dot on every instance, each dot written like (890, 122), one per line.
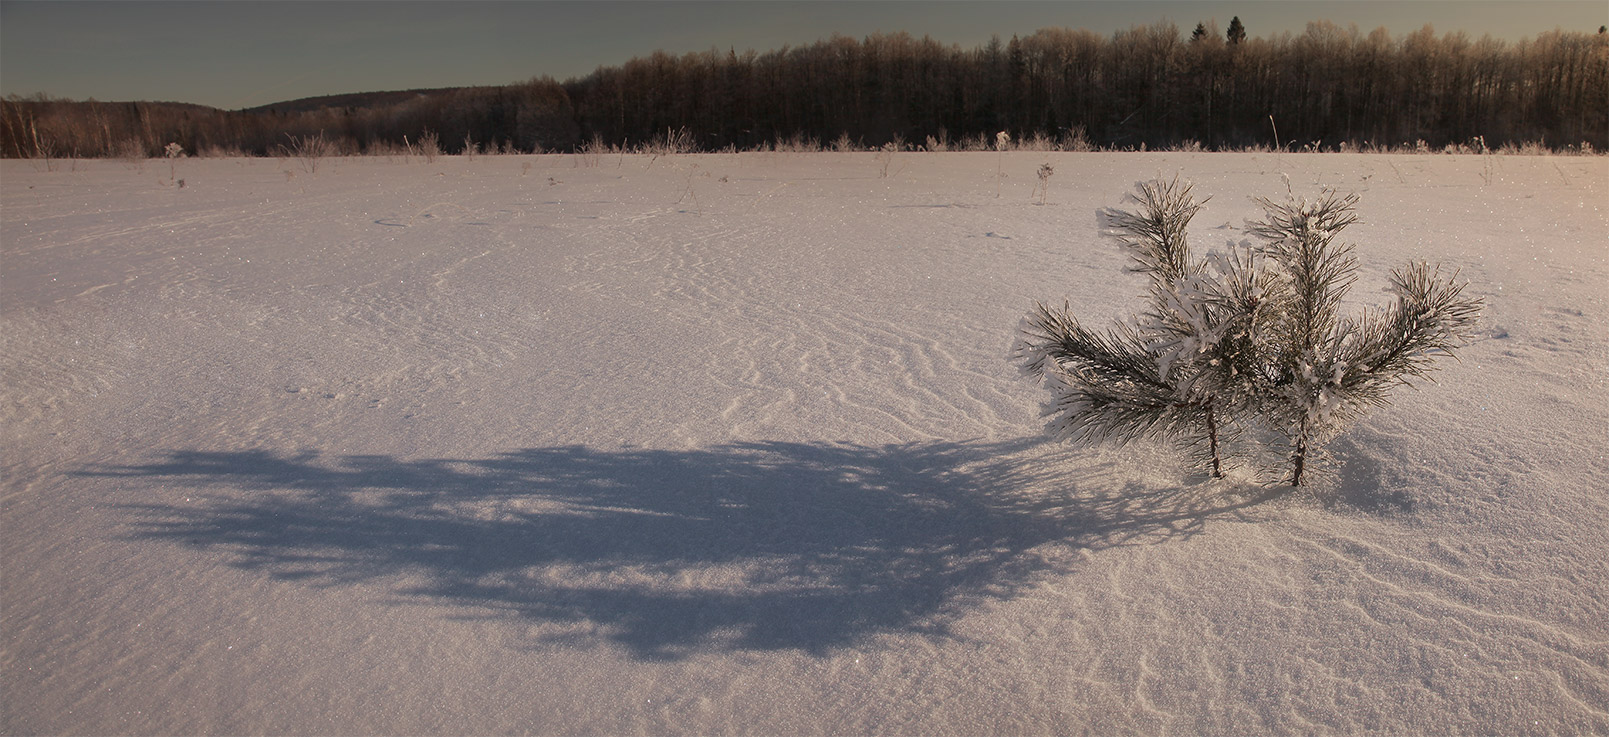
(1299, 457)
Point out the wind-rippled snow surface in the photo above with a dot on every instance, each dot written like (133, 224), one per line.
(730, 445)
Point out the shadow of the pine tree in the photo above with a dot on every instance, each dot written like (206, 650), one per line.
(751, 546)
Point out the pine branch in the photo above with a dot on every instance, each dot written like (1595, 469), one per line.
(1155, 234)
(1300, 237)
(1104, 386)
(1431, 318)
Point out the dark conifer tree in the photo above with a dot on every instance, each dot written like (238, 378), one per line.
(1237, 32)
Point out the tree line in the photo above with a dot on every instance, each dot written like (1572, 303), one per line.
(1146, 87)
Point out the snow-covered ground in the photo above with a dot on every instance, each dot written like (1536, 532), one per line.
(730, 444)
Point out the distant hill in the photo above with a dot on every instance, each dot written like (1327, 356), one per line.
(355, 100)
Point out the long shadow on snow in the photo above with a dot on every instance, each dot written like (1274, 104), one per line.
(750, 546)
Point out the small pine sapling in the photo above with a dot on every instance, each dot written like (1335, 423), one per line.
(1243, 340)
(1320, 370)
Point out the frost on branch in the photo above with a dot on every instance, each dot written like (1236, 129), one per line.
(1250, 339)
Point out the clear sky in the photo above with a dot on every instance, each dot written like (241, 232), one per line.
(243, 53)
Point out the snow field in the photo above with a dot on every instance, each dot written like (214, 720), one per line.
(730, 444)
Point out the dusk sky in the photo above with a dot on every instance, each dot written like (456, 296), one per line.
(241, 54)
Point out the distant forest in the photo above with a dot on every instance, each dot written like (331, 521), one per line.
(1329, 88)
